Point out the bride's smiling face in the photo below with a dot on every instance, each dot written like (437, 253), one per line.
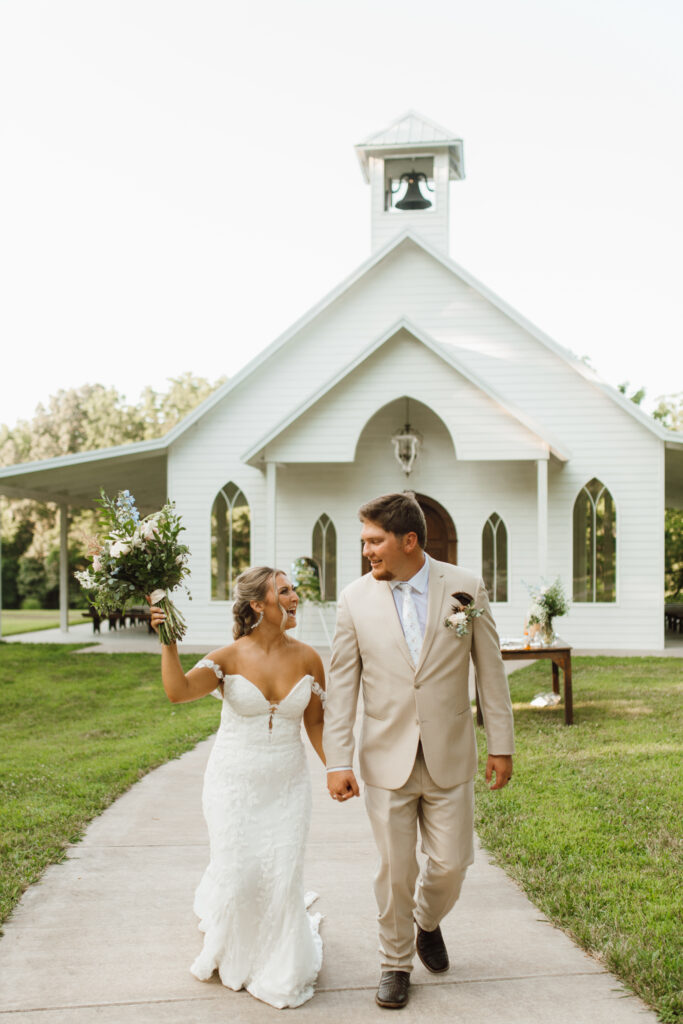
(286, 598)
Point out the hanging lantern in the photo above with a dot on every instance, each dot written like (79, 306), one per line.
(414, 199)
(406, 446)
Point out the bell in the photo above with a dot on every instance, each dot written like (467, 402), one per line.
(413, 199)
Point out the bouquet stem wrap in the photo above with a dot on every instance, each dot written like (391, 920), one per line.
(174, 628)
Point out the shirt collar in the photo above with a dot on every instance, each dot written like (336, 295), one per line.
(418, 582)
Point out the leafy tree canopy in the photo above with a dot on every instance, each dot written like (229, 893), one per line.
(75, 420)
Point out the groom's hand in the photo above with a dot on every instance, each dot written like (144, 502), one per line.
(342, 785)
(501, 766)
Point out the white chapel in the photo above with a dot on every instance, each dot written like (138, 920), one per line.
(410, 374)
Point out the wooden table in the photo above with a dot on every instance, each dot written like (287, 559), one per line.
(561, 656)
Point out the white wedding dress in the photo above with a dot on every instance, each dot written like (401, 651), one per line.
(257, 804)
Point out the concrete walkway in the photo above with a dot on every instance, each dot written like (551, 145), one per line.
(108, 935)
(138, 638)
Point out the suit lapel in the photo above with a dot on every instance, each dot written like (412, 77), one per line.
(436, 590)
(390, 615)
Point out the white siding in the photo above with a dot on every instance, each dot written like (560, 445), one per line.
(602, 439)
(479, 427)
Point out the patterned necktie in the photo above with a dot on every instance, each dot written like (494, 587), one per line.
(411, 625)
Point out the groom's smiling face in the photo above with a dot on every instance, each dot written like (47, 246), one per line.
(385, 551)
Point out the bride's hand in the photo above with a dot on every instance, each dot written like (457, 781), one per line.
(156, 616)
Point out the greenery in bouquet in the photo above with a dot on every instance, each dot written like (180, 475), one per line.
(548, 602)
(306, 580)
(135, 557)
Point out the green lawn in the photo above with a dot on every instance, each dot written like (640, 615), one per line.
(591, 825)
(75, 732)
(19, 621)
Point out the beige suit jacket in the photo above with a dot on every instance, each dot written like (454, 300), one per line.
(403, 704)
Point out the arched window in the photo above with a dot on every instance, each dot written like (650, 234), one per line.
(595, 532)
(230, 540)
(325, 556)
(494, 557)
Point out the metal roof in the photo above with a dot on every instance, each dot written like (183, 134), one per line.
(409, 133)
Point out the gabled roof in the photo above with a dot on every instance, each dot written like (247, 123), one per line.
(413, 132)
(406, 238)
(440, 350)
(140, 449)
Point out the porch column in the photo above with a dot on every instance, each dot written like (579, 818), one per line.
(271, 513)
(64, 567)
(542, 514)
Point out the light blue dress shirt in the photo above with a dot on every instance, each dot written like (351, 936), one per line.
(420, 587)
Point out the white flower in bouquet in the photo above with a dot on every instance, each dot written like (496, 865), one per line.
(549, 602)
(136, 558)
(536, 614)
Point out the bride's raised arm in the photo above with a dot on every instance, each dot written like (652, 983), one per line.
(180, 686)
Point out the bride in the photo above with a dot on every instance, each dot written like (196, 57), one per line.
(257, 794)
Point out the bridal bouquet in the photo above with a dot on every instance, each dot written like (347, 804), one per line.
(136, 557)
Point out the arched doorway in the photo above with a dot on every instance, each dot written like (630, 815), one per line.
(442, 540)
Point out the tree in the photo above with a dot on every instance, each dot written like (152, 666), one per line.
(86, 418)
(673, 554)
(669, 411)
(637, 396)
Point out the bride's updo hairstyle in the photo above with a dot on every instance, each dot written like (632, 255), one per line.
(250, 585)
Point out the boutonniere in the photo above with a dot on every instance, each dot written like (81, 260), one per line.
(462, 613)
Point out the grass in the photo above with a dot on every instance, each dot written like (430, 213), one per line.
(76, 731)
(591, 825)
(20, 621)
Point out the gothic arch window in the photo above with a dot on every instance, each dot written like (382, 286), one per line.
(325, 556)
(230, 540)
(494, 557)
(595, 552)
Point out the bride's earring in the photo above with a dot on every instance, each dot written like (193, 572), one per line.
(257, 623)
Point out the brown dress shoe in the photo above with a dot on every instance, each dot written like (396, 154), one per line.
(393, 990)
(431, 950)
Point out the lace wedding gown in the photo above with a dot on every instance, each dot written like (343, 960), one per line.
(257, 805)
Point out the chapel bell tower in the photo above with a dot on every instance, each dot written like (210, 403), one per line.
(409, 167)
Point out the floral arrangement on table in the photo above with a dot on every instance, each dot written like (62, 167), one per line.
(462, 613)
(548, 602)
(137, 557)
(306, 580)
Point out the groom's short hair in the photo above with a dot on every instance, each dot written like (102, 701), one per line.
(397, 513)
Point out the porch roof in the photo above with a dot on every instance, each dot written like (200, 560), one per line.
(76, 480)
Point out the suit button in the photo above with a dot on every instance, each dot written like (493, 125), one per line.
(417, 721)
(416, 685)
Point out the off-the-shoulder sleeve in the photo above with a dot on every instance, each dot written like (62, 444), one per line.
(317, 689)
(217, 670)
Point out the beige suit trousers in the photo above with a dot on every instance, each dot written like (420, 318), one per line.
(446, 820)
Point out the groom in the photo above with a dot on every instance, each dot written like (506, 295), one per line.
(417, 748)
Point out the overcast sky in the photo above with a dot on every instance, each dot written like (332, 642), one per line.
(178, 182)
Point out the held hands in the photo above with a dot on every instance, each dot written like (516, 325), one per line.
(501, 766)
(342, 785)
